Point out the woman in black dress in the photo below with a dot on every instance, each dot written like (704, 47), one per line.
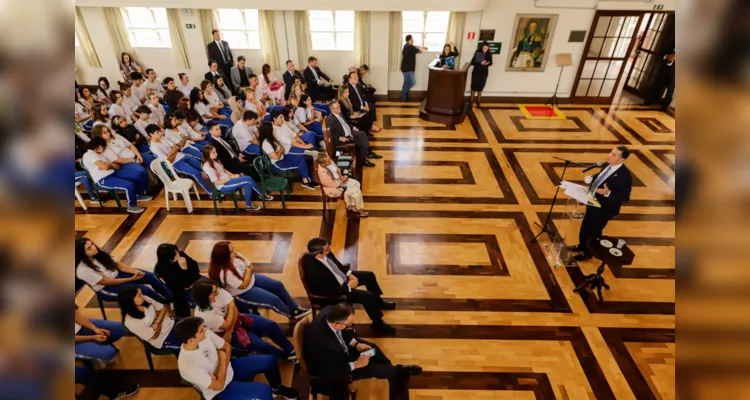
(449, 50)
(481, 61)
(179, 272)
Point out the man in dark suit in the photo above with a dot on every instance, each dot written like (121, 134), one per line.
(319, 85)
(665, 77)
(342, 132)
(215, 72)
(289, 76)
(611, 187)
(229, 155)
(333, 353)
(326, 276)
(219, 50)
(358, 98)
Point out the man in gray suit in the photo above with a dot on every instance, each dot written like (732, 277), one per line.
(240, 74)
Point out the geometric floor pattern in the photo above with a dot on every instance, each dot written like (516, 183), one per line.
(452, 213)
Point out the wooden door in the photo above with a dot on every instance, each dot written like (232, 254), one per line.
(650, 48)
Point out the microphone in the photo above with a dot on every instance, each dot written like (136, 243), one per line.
(592, 166)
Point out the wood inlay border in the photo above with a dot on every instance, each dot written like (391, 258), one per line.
(654, 124)
(520, 127)
(481, 136)
(662, 155)
(389, 173)
(612, 113)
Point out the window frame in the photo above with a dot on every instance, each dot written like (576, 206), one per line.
(334, 31)
(424, 28)
(166, 43)
(245, 30)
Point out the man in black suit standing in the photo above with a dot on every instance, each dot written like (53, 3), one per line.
(326, 276)
(611, 187)
(289, 76)
(229, 155)
(214, 72)
(319, 84)
(219, 50)
(342, 132)
(665, 77)
(333, 353)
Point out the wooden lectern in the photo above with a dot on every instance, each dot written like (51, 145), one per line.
(445, 96)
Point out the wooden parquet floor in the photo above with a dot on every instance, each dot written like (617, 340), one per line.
(452, 211)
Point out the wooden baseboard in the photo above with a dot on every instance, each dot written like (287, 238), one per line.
(419, 95)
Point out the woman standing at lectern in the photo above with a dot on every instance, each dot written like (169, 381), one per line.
(481, 61)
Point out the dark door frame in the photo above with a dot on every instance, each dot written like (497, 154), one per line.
(659, 47)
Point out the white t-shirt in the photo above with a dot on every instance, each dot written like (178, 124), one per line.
(196, 366)
(285, 136)
(232, 282)
(141, 125)
(243, 134)
(268, 149)
(80, 111)
(116, 109)
(175, 136)
(142, 327)
(89, 162)
(162, 149)
(214, 317)
(108, 124)
(130, 104)
(185, 89)
(157, 113)
(292, 125)
(155, 86)
(251, 107)
(92, 276)
(139, 92)
(215, 174)
(203, 110)
(303, 114)
(213, 99)
(78, 327)
(118, 147)
(102, 94)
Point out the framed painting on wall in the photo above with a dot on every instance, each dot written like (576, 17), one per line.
(532, 36)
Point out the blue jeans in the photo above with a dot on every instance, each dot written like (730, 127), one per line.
(253, 149)
(191, 166)
(317, 128)
(244, 182)
(226, 110)
(409, 81)
(310, 137)
(101, 351)
(157, 289)
(132, 178)
(262, 327)
(83, 176)
(292, 163)
(267, 292)
(245, 368)
(323, 108)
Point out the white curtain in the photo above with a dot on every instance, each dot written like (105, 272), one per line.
(268, 39)
(456, 29)
(84, 40)
(304, 44)
(178, 39)
(118, 32)
(209, 21)
(362, 37)
(395, 42)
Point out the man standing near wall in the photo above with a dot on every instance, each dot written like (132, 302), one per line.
(408, 65)
(219, 50)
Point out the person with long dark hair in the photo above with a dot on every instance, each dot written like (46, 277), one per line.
(128, 65)
(449, 50)
(238, 277)
(147, 319)
(216, 306)
(308, 116)
(227, 182)
(291, 122)
(108, 276)
(175, 134)
(271, 85)
(101, 115)
(82, 112)
(275, 151)
(185, 106)
(103, 89)
(202, 106)
(170, 152)
(180, 272)
(481, 61)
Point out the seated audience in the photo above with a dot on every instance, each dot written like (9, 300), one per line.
(342, 132)
(252, 103)
(193, 118)
(225, 182)
(170, 152)
(83, 112)
(206, 362)
(179, 272)
(87, 98)
(134, 136)
(245, 132)
(308, 116)
(237, 276)
(152, 84)
(80, 141)
(103, 90)
(290, 76)
(175, 134)
(100, 115)
(335, 184)
(231, 157)
(240, 74)
(358, 100)
(108, 277)
(110, 175)
(333, 353)
(103, 384)
(147, 319)
(196, 132)
(139, 89)
(94, 338)
(220, 315)
(202, 107)
(121, 151)
(319, 85)
(363, 71)
(222, 89)
(271, 86)
(185, 87)
(129, 101)
(237, 103)
(172, 96)
(275, 151)
(293, 144)
(117, 107)
(297, 90)
(259, 95)
(157, 110)
(291, 122)
(214, 72)
(127, 66)
(211, 95)
(449, 50)
(360, 119)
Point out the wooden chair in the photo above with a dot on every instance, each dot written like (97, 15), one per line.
(317, 302)
(326, 198)
(298, 338)
(347, 148)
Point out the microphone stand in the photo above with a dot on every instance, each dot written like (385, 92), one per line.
(545, 227)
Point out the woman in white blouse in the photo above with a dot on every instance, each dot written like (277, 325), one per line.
(117, 107)
(203, 108)
(83, 112)
(293, 144)
(271, 85)
(211, 95)
(175, 134)
(227, 182)
(294, 124)
(100, 115)
(103, 90)
(308, 116)
(150, 321)
(238, 277)
(120, 150)
(157, 110)
(222, 89)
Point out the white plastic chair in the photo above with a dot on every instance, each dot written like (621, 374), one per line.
(179, 185)
(78, 196)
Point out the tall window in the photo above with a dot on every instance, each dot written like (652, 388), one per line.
(332, 30)
(240, 27)
(428, 28)
(147, 27)
(77, 44)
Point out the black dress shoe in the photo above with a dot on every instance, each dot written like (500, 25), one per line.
(369, 135)
(387, 305)
(383, 327)
(374, 155)
(368, 163)
(575, 248)
(582, 257)
(413, 369)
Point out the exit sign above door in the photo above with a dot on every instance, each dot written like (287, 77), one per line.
(658, 6)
